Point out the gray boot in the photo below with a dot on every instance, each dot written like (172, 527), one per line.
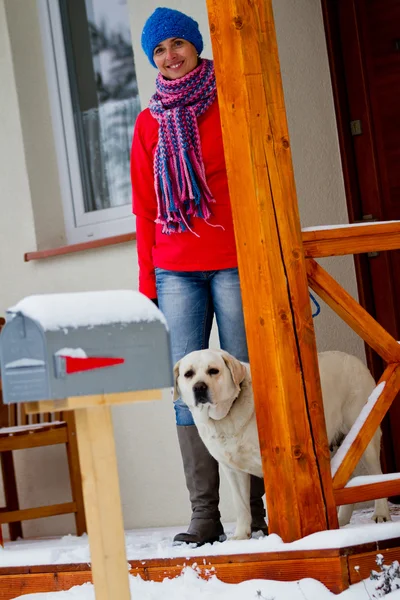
(202, 481)
(257, 505)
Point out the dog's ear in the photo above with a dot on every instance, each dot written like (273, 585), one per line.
(176, 375)
(237, 369)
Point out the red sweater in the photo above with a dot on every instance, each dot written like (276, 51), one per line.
(215, 248)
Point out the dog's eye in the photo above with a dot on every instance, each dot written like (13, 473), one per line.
(189, 374)
(213, 371)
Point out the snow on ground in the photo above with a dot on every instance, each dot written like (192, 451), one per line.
(142, 544)
(156, 543)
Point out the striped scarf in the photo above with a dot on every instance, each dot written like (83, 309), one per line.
(179, 176)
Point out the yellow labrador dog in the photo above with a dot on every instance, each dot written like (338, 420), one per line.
(217, 389)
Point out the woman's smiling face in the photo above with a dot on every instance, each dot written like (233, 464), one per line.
(175, 58)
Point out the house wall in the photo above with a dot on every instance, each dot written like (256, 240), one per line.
(152, 484)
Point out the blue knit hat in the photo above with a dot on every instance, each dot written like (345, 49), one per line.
(167, 23)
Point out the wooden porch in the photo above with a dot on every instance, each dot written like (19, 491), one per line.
(335, 568)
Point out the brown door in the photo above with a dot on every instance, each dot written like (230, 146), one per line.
(364, 46)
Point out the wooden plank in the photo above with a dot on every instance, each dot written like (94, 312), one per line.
(27, 514)
(352, 313)
(268, 238)
(208, 561)
(331, 571)
(13, 586)
(371, 491)
(371, 546)
(75, 474)
(27, 440)
(353, 239)
(103, 510)
(10, 492)
(29, 429)
(333, 567)
(78, 402)
(392, 378)
(366, 562)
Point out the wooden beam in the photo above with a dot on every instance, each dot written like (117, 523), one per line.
(101, 495)
(365, 433)
(351, 239)
(360, 565)
(10, 492)
(332, 567)
(370, 491)
(78, 402)
(49, 437)
(329, 566)
(352, 313)
(277, 311)
(75, 474)
(26, 514)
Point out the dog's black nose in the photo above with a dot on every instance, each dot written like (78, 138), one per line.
(200, 387)
(200, 391)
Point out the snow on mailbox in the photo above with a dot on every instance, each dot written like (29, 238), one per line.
(57, 346)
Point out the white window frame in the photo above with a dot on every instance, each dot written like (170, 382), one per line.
(80, 226)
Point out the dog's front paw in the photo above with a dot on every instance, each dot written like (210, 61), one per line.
(381, 513)
(242, 534)
(381, 518)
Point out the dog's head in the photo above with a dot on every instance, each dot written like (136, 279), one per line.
(209, 381)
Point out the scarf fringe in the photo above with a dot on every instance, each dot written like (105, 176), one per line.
(184, 195)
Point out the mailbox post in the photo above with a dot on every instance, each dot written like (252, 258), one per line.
(87, 353)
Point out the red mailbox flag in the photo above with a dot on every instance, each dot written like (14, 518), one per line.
(76, 365)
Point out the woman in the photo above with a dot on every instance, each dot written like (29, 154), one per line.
(185, 238)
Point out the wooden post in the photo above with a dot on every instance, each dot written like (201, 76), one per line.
(279, 326)
(99, 472)
(102, 502)
(75, 473)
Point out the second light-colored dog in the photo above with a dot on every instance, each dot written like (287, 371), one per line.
(217, 389)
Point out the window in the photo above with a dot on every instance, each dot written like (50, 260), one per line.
(94, 103)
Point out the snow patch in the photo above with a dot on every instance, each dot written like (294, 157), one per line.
(25, 362)
(346, 225)
(367, 479)
(88, 309)
(72, 352)
(351, 436)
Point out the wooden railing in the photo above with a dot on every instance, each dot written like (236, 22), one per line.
(355, 239)
(351, 239)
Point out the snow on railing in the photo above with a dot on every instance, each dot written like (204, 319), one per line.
(354, 431)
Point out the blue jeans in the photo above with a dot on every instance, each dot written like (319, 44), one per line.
(189, 300)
